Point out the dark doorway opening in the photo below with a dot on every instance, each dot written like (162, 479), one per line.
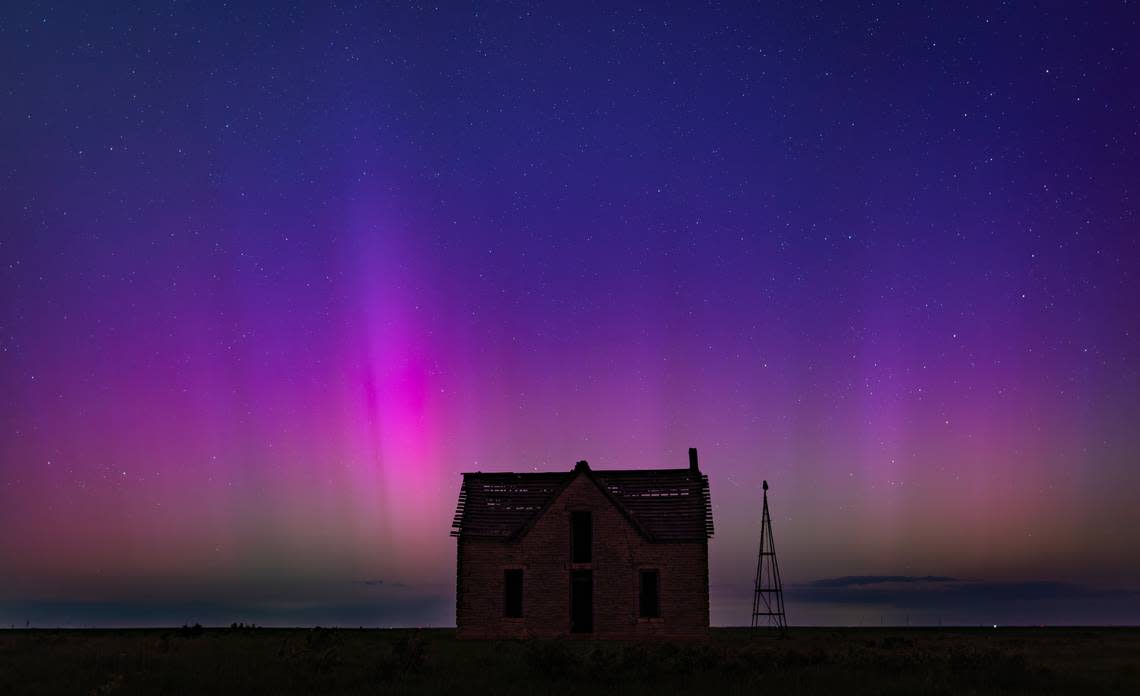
(582, 601)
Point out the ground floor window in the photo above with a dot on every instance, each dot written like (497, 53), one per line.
(650, 601)
(512, 593)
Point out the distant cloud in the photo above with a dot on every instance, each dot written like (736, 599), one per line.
(378, 583)
(376, 611)
(942, 592)
(862, 580)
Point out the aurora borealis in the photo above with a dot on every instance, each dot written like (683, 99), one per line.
(272, 277)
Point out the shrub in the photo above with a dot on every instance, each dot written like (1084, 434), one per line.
(552, 659)
(602, 663)
(407, 656)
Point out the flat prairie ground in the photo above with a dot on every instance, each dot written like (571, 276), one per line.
(432, 661)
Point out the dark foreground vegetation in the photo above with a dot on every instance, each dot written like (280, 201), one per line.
(825, 661)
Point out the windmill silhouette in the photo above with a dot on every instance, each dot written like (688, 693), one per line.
(768, 602)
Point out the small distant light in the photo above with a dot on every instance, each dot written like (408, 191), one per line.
(995, 625)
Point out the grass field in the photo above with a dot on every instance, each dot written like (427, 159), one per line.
(808, 661)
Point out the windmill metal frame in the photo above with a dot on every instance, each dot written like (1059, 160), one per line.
(768, 600)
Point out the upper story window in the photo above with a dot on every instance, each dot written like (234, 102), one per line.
(581, 537)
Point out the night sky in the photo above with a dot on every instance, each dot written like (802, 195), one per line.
(271, 278)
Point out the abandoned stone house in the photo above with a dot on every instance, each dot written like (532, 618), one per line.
(584, 553)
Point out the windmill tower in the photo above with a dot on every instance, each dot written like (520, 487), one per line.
(768, 602)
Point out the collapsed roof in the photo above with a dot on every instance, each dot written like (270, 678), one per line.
(664, 505)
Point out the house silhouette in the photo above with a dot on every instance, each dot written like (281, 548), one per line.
(584, 553)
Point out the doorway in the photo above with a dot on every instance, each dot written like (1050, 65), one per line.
(581, 601)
